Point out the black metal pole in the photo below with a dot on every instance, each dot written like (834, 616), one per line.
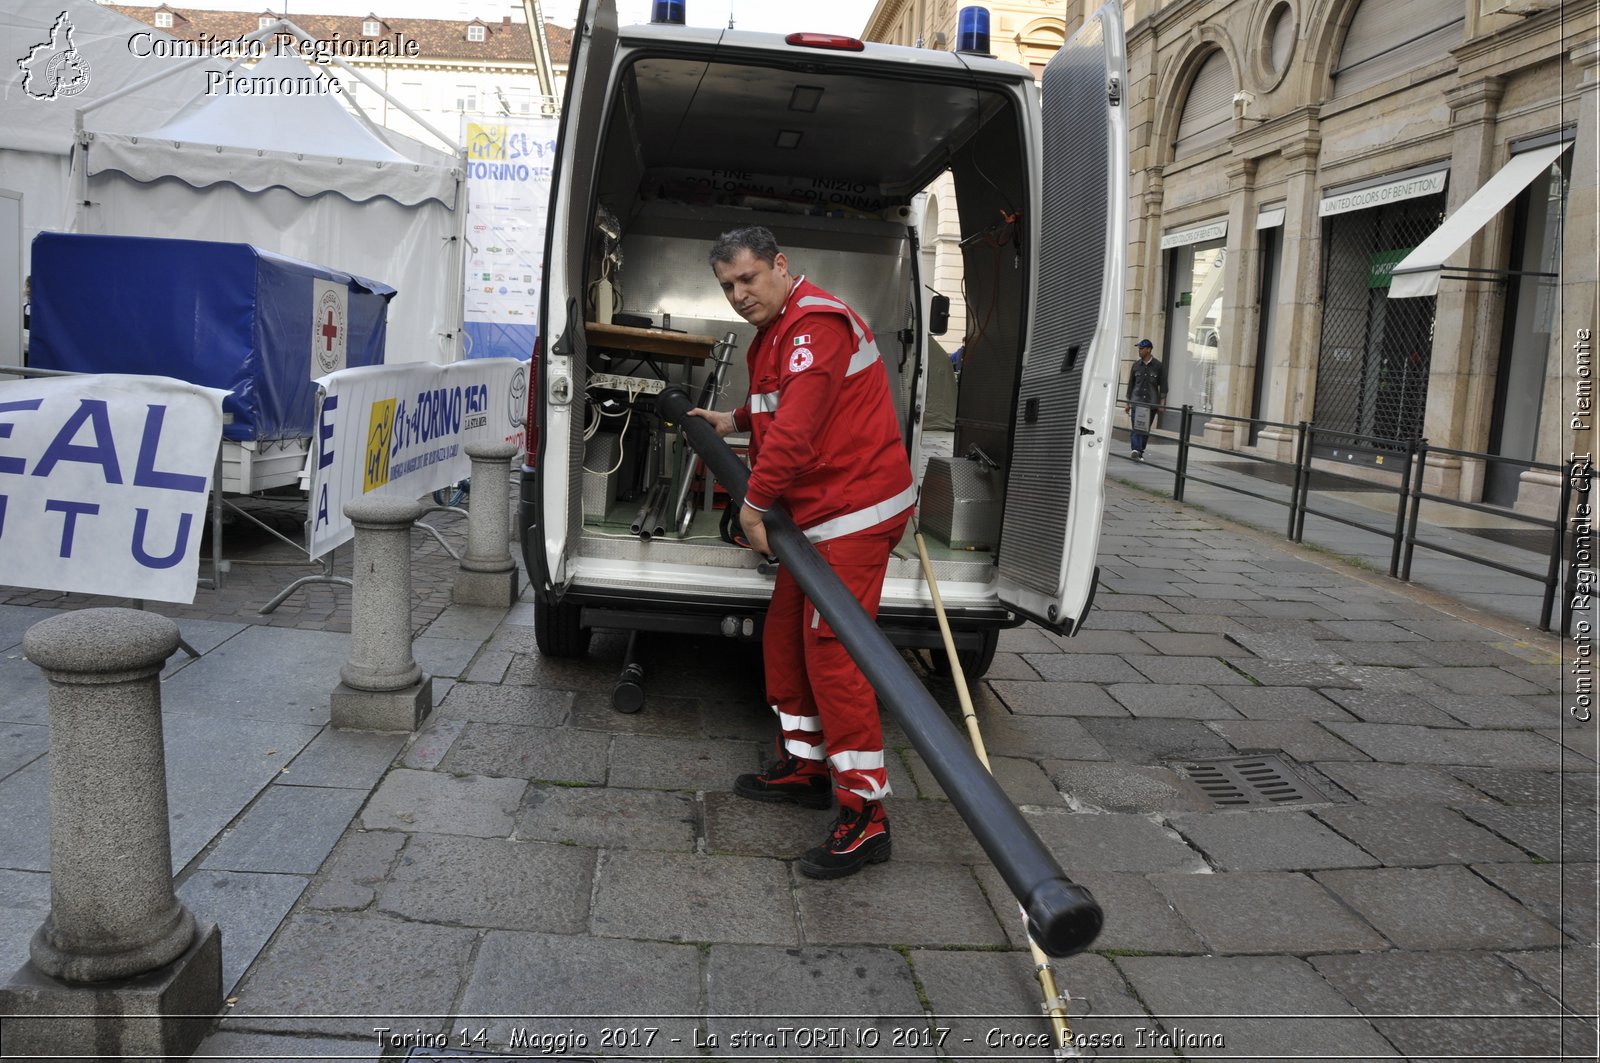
(1400, 510)
(1299, 473)
(1062, 916)
(1182, 468)
(1308, 444)
(1419, 465)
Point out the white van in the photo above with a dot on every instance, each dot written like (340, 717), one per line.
(671, 136)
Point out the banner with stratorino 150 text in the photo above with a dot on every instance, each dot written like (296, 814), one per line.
(402, 430)
(103, 483)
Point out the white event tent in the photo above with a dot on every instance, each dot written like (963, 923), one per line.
(169, 147)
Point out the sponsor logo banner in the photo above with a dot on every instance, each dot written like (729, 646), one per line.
(103, 483)
(402, 430)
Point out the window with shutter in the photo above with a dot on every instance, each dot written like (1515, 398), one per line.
(1388, 39)
(1208, 112)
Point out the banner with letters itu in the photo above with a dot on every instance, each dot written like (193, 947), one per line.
(402, 430)
(103, 483)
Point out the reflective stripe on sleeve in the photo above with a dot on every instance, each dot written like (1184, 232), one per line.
(804, 751)
(811, 724)
(765, 402)
(857, 760)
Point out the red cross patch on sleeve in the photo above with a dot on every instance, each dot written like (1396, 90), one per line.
(800, 360)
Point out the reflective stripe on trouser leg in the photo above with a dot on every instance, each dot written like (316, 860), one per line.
(788, 691)
(844, 699)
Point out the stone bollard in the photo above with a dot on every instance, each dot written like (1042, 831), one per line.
(488, 574)
(382, 687)
(120, 967)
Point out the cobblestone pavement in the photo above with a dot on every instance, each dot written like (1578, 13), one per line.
(565, 880)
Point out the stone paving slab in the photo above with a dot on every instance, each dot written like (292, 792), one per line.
(491, 882)
(1418, 835)
(1502, 710)
(15, 620)
(1083, 667)
(1265, 912)
(1107, 787)
(1373, 783)
(1302, 740)
(1269, 840)
(344, 974)
(889, 904)
(1022, 780)
(539, 984)
(1205, 998)
(350, 878)
(1381, 708)
(694, 897)
(445, 804)
(1404, 744)
(246, 907)
(230, 680)
(1056, 699)
(444, 656)
(24, 903)
(1172, 701)
(1464, 1003)
(735, 826)
(681, 763)
(1139, 918)
(27, 699)
(547, 754)
(345, 759)
(1439, 908)
(1154, 741)
(290, 830)
(524, 706)
(21, 744)
(604, 817)
(1522, 786)
(261, 1048)
(839, 992)
(1561, 894)
(1568, 976)
(1114, 842)
(1282, 703)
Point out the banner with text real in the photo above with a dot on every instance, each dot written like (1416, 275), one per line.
(103, 483)
(402, 430)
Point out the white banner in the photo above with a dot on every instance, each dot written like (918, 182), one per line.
(1428, 184)
(509, 164)
(402, 430)
(103, 483)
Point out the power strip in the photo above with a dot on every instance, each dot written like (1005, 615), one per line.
(638, 385)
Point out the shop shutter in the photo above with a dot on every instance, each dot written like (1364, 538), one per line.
(1387, 39)
(1208, 112)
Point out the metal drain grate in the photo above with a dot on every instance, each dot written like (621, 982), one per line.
(1245, 782)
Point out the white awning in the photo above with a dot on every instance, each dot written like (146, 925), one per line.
(1418, 273)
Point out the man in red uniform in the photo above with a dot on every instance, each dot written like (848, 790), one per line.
(824, 442)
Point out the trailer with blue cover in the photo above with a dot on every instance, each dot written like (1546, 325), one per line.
(233, 316)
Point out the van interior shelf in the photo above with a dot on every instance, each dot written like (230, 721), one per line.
(677, 345)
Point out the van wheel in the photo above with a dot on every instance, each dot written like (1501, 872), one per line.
(557, 631)
(974, 663)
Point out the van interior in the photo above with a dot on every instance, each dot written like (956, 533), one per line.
(832, 162)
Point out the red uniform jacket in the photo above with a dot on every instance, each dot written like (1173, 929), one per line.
(824, 439)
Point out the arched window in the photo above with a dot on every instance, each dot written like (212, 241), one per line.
(1208, 112)
(1387, 39)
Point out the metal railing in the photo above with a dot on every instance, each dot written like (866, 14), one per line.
(1405, 483)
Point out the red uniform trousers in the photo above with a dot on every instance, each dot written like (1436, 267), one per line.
(826, 709)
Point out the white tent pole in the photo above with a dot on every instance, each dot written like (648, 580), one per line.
(450, 143)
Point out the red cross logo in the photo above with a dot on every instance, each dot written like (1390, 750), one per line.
(329, 330)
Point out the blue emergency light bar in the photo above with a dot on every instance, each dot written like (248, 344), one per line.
(668, 12)
(972, 30)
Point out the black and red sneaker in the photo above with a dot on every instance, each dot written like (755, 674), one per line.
(858, 838)
(792, 779)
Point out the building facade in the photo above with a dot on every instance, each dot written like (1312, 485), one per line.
(441, 70)
(1287, 155)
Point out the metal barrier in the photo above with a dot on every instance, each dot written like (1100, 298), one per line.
(1551, 577)
(1409, 497)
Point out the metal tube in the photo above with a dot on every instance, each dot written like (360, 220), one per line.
(1418, 465)
(1062, 916)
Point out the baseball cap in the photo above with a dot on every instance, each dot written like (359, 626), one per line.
(1144, 343)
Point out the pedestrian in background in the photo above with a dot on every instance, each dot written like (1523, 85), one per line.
(1147, 396)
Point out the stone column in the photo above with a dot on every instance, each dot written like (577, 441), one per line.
(488, 574)
(115, 921)
(1234, 375)
(1467, 316)
(383, 689)
(1297, 328)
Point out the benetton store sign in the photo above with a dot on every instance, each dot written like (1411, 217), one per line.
(1198, 234)
(1413, 187)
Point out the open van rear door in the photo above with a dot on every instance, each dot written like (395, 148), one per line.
(1055, 489)
(561, 311)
